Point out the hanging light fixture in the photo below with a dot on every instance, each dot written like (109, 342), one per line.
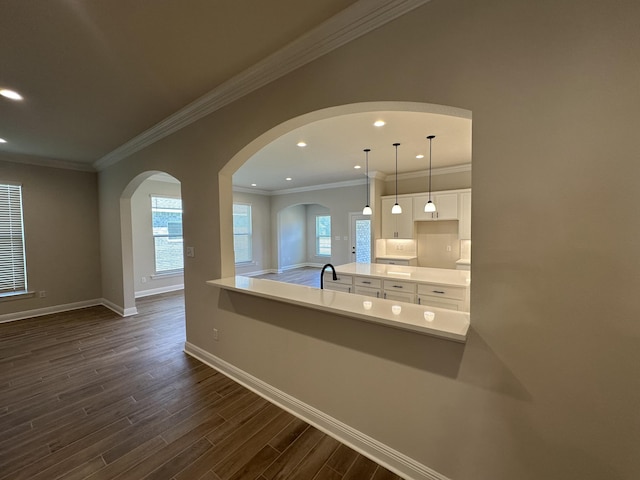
(397, 209)
(430, 207)
(367, 209)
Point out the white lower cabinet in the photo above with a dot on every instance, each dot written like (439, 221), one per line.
(344, 283)
(399, 291)
(371, 287)
(453, 298)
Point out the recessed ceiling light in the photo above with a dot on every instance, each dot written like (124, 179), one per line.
(378, 123)
(254, 184)
(2, 140)
(301, 144)
(420, 156)
(288, 179)
(10, 94)
(357, 167)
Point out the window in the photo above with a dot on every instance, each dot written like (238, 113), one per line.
(323, 235)
(13, 268)
(242, 232)
(166, 217)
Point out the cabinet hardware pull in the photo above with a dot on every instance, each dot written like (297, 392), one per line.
(385, 294)
(377, 294)
(368, 283)
(419, 301)
(400, 286)
(437, 291)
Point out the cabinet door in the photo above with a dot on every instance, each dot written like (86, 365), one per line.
(368, 291)
(338, 287)
(400, 296)
(446, 206)
(464, 227)
(438, 302)
(400, 225)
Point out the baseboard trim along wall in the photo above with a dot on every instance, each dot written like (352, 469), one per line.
(39, 312)
(157, 291)
(123, 312)
(369, 447)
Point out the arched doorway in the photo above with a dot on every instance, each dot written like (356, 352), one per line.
(151, 235)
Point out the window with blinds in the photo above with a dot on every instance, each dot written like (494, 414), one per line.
(13, 270)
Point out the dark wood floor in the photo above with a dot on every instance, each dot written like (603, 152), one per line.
(89, 395)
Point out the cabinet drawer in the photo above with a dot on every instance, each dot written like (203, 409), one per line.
(343, 279)
(440, 291)
(367, 282)
(396, 286)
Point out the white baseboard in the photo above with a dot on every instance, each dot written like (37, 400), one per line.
(380, 453)
(123, 312)
(39, 312)
(157, 291)
(258, 272)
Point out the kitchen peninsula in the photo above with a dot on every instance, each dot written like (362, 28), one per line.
(437, 287)
(394, 311)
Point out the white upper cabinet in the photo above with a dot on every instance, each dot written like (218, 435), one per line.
(446, 206)
(400, 225)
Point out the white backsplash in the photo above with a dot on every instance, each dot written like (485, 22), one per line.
(392, 246)
(438, 244)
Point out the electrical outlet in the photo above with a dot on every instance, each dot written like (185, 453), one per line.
(448, 248)
(42, 293)
(215, 334)
(143, 279)
(191, 252)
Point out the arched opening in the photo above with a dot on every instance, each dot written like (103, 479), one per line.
(423, 119)
(151, 237)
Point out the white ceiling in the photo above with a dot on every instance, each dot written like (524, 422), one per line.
(98, 76)
(335, 146)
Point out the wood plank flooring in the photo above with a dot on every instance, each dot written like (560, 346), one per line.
(309, 276)
(89, 395)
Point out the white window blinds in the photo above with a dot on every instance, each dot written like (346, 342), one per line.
(13, 274)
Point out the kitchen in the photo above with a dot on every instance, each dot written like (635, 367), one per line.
(330, 176)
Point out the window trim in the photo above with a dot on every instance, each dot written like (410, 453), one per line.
(14, 229)
(318, 254)
(250, 260)
(169, 272)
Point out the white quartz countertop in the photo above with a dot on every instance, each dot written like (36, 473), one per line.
(438, 322)
(440, 276)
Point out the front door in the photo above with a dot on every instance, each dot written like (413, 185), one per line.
(360, 238)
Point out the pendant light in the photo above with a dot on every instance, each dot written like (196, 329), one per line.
(397, 209)
(430, 207)
(367, 209)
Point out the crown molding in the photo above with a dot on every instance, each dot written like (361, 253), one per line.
(47, 162)
(344, 27)
(252, 191)
(434, 171)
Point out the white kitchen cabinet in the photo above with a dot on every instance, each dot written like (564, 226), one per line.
(398, 225)
(399, 291)
(446, 206)
(344, 283)
(368, 292)
(464, 225)
(453, 298)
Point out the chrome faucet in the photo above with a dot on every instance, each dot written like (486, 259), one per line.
(335, 277)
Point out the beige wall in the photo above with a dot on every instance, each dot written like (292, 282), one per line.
(60, 210)
(547, 385)
(419, 183)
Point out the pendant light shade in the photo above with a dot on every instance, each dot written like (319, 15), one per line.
(430, 207)
(397, 209)
(367, 209)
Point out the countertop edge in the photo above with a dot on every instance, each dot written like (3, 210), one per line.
(351, 305)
